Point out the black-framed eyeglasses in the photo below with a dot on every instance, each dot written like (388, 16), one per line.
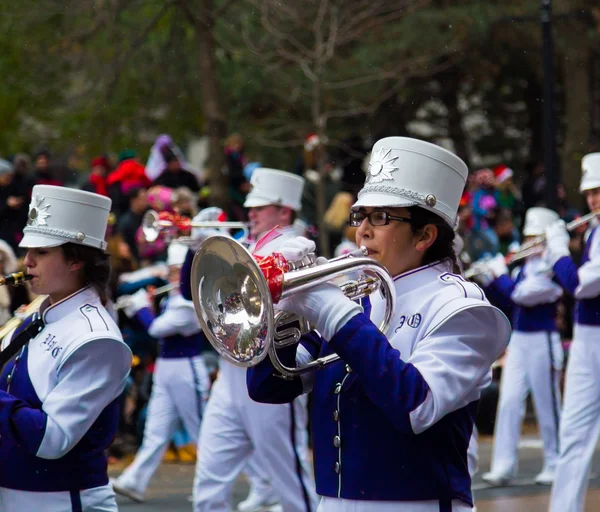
(376, 218)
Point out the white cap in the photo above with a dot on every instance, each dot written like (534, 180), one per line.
(270, 186)
(58, 215)
(590, 172)
(176, 253)
(410, 172)
(537, 219)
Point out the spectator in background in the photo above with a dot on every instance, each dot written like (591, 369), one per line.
(184, 202)
(351, 157)
(507, 194)
(98, 176)
(484, 199)
(534, 187)
(156, 162)
(22, 183)
(506, 232)
(128, 175)
(239, 186)
(565, 210)
(174, 176)
(131, 220)
(11, 297)
(43, 173)
(10, 207)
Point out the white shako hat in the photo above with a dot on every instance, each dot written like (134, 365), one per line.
(176, 253)
(271, 186)
(537, 219)
(58, 215)
(411, 172)
(590, 172)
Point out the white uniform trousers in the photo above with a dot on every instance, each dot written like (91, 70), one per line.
(533, 365)
(580, 422)
(473, 453)
(341, 505)
(179, 392)
(98, 499)
(236, 428)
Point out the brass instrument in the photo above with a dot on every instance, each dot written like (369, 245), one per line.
(154, 223)
(21, 316)
(15, 279)
(534, 246)
(234, 303)
(124, 300)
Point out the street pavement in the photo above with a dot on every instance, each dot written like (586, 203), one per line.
(172, 485)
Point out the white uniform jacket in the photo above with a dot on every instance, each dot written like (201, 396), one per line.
(58, 399)
(393, 418)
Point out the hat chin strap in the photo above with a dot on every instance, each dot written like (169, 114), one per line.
(78, 238)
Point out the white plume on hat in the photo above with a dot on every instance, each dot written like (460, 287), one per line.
(590, 172)
(58, 215)
(410, 172)
(537, 219)
(272, 186)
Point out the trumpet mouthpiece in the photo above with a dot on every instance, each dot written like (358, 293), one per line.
(15, 279)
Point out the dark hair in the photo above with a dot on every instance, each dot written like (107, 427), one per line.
(134, 193)
(443, 246)
(96, 266)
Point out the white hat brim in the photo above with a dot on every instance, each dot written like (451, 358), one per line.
(254, 202)
(377, 199)
(31, 241)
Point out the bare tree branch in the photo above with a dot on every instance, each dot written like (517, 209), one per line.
(135, 46)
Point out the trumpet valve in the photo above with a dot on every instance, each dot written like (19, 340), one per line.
(307, 261)
(361, 288)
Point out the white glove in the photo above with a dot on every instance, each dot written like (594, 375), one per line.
(296, 249)
(324, 306)
(497, 265)
(211, 214)
(137, 301)
(557, 242)
(483, 276)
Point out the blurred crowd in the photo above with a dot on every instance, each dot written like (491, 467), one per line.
(491, 215)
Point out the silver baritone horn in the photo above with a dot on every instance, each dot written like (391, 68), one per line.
(234, 303)
(154, 223)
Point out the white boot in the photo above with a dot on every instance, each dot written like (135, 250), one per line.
(128, 492)
(258, 501)
(497, 479)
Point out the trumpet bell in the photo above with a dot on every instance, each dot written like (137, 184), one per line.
(149, 223)
(232, 301)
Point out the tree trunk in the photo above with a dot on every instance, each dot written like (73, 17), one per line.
(576, 60)
(451, 84)
(215, 119)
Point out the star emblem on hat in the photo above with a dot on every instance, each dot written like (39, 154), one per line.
(382, 166)
(38, 211)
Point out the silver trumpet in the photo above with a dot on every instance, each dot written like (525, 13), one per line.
(535, 246)
(236, 310)
(124, 300)
(152, 226)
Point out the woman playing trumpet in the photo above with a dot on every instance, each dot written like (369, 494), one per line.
(58, 396)
(393, 418)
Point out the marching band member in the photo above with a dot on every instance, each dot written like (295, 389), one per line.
(580, 420)
(180, 384)
(393, 418)
(535, 354)
(235, 429)
(59, 394)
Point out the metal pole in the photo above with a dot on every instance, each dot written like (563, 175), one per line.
(549, 122)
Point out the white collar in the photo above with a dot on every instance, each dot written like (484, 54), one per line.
(53, 312)
(417, 277)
